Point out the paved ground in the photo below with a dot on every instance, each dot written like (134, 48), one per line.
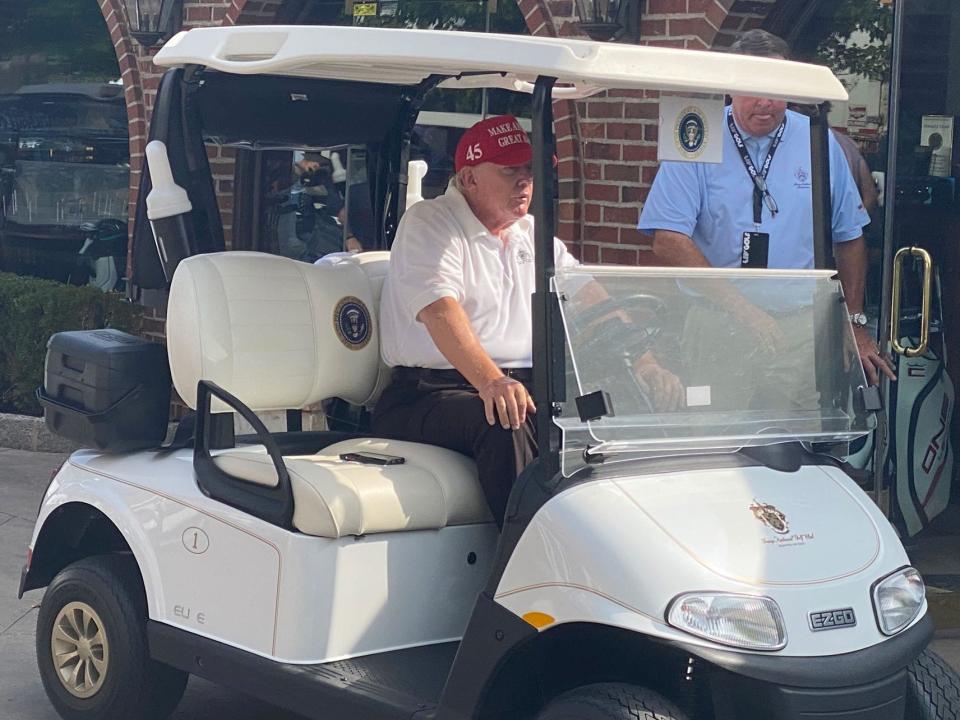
(23, 480)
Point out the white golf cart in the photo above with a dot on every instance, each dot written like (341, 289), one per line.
(709, 562)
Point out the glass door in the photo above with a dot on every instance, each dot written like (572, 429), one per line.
(921, 262)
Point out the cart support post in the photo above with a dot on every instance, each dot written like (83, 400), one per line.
(881, 478)
(822, 203)
(544, 299)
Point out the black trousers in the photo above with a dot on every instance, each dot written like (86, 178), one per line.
(440, 407)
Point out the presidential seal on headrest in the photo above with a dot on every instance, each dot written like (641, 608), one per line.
(691, 131)
(691, 123)
(352, 321)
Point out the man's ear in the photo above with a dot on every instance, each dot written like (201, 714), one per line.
(468, 178)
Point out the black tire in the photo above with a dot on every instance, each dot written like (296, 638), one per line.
(611, 701)
(933, 689)
(105, 591)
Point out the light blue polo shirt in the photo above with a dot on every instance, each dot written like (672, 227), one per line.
(713, 203)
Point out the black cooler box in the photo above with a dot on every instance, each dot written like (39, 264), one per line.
(106, 390)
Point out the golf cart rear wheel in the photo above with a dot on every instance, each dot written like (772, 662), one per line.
(92, 645)
(933, 689)
(611, 701)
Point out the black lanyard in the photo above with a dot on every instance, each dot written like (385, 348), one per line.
(761, 193)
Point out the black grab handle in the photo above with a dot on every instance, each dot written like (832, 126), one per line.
(272, 504)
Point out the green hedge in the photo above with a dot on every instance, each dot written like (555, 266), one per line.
(31, 310)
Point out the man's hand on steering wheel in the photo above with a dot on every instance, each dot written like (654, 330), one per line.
(507, 399)
(665, 388)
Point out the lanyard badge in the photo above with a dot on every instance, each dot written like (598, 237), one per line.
(755, 250)
(761, 193)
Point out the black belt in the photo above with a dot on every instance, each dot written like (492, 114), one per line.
(433, 376)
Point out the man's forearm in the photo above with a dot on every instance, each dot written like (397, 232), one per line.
(677, 250)
(851, 260)
(451, 331)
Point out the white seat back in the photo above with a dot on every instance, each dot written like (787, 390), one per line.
(275, 332)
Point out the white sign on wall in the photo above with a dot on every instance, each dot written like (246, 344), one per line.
(691, 129)
(936, 133)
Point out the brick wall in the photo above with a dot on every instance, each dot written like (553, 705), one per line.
(253, 12)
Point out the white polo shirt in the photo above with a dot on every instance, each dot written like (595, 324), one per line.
(442, 250)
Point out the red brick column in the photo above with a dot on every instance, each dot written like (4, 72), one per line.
(114, 14)
(141, 79)
(746, 15)
(252, 12)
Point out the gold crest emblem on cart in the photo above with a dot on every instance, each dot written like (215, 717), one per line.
(770, 516)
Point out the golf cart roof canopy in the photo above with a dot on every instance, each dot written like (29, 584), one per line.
(408, 57)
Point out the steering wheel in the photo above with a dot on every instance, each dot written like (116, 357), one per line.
(600, 335)
(632, 339)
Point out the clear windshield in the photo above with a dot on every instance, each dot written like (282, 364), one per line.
(705, 359)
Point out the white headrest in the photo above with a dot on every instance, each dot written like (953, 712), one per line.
(275, 332)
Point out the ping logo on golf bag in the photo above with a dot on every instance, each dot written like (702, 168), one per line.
(770, 516)
(832, 619)
(351, 319)
(933, 448)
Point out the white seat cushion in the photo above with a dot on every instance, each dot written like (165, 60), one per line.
(433, 488)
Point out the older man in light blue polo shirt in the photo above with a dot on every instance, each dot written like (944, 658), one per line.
(701, 214)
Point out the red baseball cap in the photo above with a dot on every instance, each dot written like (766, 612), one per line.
(498, 139)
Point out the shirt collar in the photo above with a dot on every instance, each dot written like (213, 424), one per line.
(472, 225)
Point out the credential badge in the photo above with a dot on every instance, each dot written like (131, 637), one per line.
(351, 319)
(770, 516)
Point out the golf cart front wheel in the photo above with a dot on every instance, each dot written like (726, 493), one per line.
(92, 646)
(611, 701)
(933, 689)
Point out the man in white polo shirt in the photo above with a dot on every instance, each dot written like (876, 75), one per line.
(456, 320)
(455, 312)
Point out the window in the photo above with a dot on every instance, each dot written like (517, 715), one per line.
(64, 157)
(309, 203)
